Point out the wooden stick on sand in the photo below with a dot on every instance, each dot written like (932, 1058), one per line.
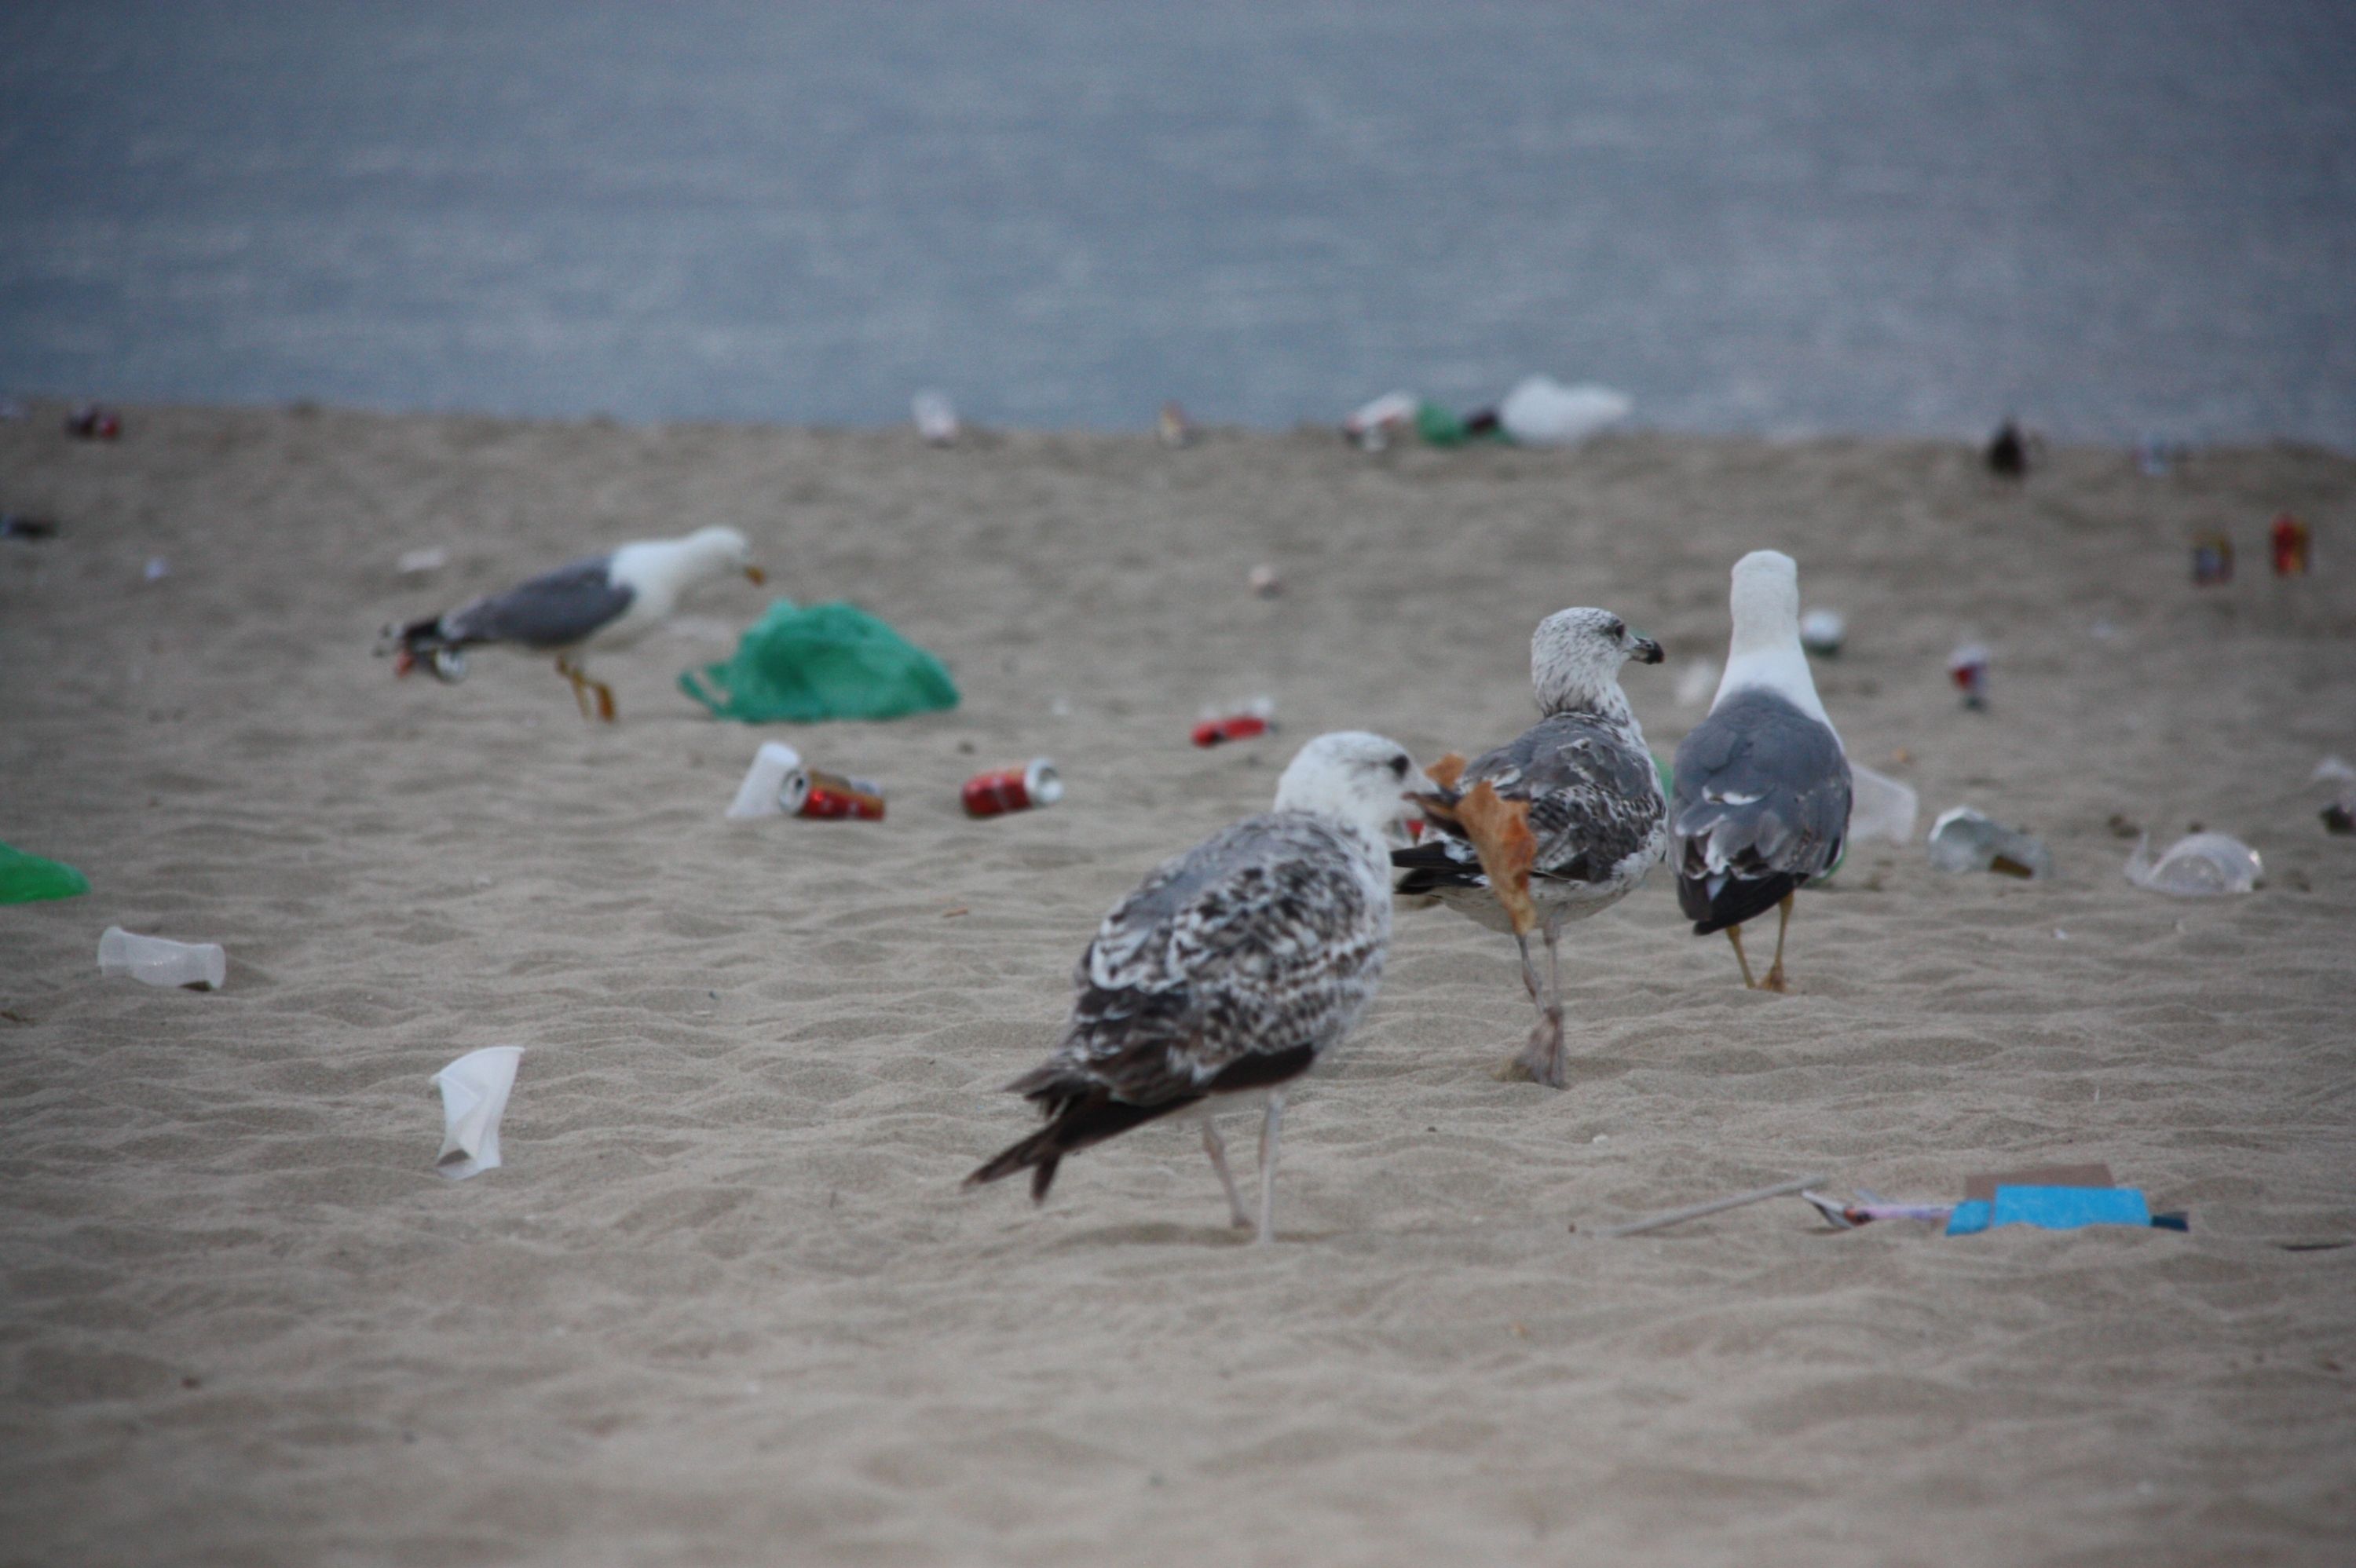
(1716, 1205)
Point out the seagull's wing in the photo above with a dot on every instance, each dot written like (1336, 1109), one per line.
(1594, 799)
(554, 610)
(1229, 968)
(1762, 805)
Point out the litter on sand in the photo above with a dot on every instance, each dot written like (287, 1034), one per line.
(770, 787)
(2051, 1198)
(2199, 865)
(28, 878)
(1966, 840)
(157, 961)
(474, 1098)
(1880, 806)
(829, 661)
(1661, 1221)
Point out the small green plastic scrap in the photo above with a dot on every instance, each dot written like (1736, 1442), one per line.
(27, 879)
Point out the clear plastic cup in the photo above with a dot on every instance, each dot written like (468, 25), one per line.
(1965, 840)
(199, 965)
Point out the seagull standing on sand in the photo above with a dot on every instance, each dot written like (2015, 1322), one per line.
(1762, 784)
(1555, 825)
(607, 602)
(1230, 970)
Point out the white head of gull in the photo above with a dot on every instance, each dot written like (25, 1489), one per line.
(1229, 971)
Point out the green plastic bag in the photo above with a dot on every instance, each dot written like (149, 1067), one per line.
(27, 879)
(829, 661)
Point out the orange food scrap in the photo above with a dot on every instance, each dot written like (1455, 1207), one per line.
(1500, 832)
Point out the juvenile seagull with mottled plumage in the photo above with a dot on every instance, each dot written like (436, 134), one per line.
(1762, 783)
(1583, 782)
(1230, 970)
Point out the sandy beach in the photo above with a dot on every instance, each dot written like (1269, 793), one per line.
(726, 1302)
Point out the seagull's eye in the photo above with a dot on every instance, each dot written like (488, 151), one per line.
(1398, 767)
(1617, 629)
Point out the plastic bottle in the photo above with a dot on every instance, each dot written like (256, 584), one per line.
(199, 965)
(1965, 841)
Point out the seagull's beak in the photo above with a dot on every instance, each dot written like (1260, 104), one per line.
(1645, 650)
(756, 574)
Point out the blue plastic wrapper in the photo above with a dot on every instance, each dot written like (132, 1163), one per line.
(2052, 1209)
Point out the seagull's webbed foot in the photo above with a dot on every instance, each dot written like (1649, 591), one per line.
(1544, 1058)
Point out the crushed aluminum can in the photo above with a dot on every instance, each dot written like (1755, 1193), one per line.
(832, 798)
(995, 793)
(1967, 667)
(1234, 727)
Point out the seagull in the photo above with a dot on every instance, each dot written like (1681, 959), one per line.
(1230, 970)
(605, 601)
(1587, 804)
(1762, 784)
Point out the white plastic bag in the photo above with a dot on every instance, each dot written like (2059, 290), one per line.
(1542, 411)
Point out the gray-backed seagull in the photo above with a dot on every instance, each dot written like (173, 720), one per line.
(1762, 783)
(607, 602)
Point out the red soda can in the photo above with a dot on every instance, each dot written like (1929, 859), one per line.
(2291, 543)
(1036, 783)
(831, 795)
(1234, 727)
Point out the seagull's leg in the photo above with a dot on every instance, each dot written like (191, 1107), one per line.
(1774, 980)
(1516, 1067)
(1268, 1129)
(1217, 1147)
(1734, 934)
(605, 698)
(571, 672)
(1543, 1059)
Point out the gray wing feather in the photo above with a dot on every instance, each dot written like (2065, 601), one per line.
(1595, 798)
(553, 610)
(1264, 938)
(1761, 789)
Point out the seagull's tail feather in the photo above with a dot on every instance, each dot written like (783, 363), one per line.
(1075, 1120)
(1736, 900)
